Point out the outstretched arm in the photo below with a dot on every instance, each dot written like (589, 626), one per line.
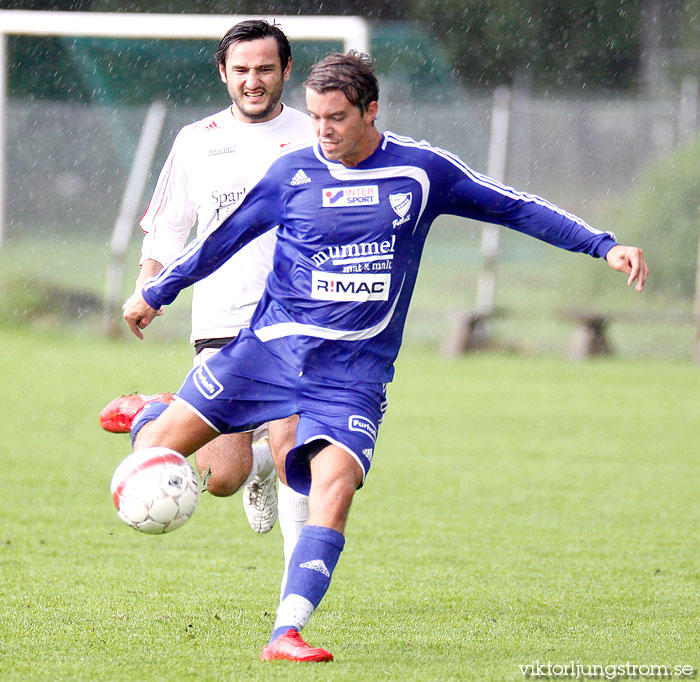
(472, 195)
(630, 260)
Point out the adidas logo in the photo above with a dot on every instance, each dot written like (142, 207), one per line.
(316, 565)
(212, 126)
(300, 178)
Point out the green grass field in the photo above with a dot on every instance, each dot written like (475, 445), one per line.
(518, 510)
(534, 282)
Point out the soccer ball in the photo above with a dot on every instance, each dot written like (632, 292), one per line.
(155, 490)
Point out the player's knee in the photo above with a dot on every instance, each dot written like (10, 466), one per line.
(221, 486)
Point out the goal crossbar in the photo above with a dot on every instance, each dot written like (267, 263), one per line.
(351, 31)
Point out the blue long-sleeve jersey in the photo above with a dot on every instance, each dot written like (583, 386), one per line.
(349, 245)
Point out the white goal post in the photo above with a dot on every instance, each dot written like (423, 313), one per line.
(353, 32)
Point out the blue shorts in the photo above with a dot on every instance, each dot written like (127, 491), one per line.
(245, 385)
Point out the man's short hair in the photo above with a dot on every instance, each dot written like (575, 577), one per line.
(352, 73)
(254, 29)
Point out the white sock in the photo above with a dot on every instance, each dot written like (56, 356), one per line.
(294, 612)
(293, 514)
(262, 461)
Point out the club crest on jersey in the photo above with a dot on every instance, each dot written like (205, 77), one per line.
(360, 424)
(335, 197)
(207, 384)
(400, 203)
(337, 286)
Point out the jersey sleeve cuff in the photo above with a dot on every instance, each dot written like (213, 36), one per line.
(152, 300)
(604, 246)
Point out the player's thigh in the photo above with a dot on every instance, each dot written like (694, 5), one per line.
(337, 415)
(241, 386)
(179, 429)
(282, 439)
(225, 462)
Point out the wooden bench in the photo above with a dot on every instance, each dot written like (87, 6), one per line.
(470, 331)
(592, 326)
(590, 337)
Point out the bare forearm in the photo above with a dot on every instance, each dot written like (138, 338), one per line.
(149, 267)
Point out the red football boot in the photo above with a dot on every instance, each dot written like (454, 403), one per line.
(291, 647)
(118, 415)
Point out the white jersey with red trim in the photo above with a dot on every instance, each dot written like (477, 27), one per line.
(213, 164)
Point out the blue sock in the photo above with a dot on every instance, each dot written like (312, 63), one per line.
(308, 576)
(150, 412)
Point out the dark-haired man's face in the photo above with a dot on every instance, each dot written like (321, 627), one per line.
(344, 133)
(254, 79)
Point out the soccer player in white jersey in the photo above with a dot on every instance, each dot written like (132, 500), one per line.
(212, 165)
(323, 340)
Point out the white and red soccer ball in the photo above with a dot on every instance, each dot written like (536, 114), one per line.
(155, 490)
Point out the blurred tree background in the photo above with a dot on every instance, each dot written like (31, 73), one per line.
(559, 44)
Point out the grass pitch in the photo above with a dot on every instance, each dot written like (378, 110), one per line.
(518, 510)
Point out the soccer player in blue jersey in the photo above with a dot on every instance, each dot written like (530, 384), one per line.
(353, 211)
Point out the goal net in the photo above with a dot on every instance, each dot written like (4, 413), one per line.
(79, 151)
